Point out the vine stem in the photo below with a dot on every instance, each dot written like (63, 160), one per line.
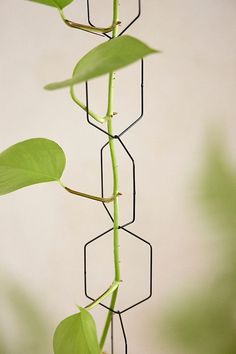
(88, 28)
(108, 292)
(89, 196)
(84, 107)
(115, 184)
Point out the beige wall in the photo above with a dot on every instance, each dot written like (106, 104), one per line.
(190, 87)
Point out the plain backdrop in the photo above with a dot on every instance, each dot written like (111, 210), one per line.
(189, 89)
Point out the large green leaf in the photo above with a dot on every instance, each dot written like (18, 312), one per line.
(76, 334)
(60, 4)
(107, 57)
(29, 162)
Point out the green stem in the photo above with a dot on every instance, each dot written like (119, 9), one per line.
(87, 27)
(89, 196)
(115, 185)
(84, 107)
(108, 292)
(93, 197)
(108, 319)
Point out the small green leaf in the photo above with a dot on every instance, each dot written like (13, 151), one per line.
(107, 57)
(60, 4)
(76, 334)
(29, 162)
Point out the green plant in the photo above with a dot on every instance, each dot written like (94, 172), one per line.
(41, 160)
(28, 326)
(204, 322)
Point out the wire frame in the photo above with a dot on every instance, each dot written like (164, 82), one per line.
(133, 181)
(123, 227)
(143, 243)
(134, 122)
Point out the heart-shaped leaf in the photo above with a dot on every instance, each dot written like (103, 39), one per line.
(76, 334)
(29, 162)
(107, 57)
(60, 4)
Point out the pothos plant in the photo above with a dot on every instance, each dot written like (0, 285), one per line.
(40, 160)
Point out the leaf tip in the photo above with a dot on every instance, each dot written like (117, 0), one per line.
(155, 51)
(48, 87)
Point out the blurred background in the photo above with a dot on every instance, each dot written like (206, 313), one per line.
(184, 150)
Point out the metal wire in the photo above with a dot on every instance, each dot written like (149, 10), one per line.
(112, 335)
(122, 227)
(133, 181)
(134, 20)
(125, 29)
(87, 113)
(124, 333)
(115, 311)
(102, 180)
(135, 121)
(150, 270)
(89, 19)
(85, 268)
(141, 102)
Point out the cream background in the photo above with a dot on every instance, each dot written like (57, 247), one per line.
(190, 87)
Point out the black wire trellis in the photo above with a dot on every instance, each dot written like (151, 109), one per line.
(122, 227)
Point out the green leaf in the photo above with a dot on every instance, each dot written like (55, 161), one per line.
(60, 4)
(218, 191)
(29, 162)
(76, 334)
(107, 57)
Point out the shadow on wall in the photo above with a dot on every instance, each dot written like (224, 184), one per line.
(22, 327)
(205, 322)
